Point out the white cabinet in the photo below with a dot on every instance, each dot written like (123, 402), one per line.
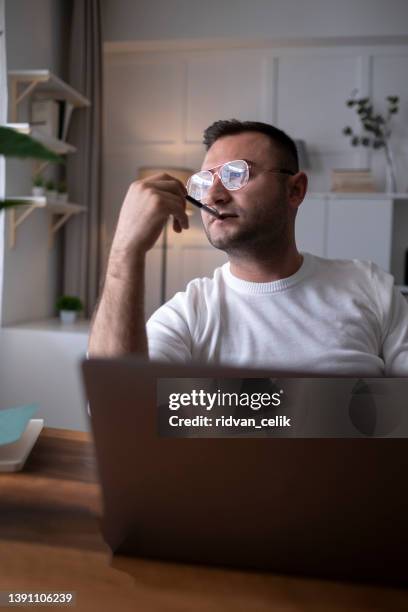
(363, 226)
(311, 226)
(360, 229)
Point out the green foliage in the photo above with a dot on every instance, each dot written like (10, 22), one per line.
(376, 128)
(69, 302)
(50, 185)
(14, 144)
(38, 181)
(62, 187)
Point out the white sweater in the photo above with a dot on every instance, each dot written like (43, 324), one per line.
(340, 317)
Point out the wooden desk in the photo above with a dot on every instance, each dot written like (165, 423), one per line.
(49, 541)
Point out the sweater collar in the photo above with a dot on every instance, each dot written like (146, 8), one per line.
(282, 284)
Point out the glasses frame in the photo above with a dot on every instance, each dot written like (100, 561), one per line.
(216, 171)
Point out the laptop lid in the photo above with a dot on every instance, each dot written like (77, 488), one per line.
(326, 507)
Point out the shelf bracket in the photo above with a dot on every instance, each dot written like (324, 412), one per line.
(15, 98)
(55, 226)
(39, 167)
(26, 92)
(15, 221)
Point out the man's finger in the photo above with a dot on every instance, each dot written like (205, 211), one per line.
(165, 182)
(176, 226)
(175, 205)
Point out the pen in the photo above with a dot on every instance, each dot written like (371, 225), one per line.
(210, 210)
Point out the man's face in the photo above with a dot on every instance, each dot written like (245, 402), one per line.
(263, 218)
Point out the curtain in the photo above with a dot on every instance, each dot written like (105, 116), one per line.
(82, 242)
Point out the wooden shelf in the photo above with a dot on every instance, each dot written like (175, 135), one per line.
(57, 146)
(63, 210)
(23, 83)
(45, 82)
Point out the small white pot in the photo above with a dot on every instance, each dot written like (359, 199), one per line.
(62, 198)
(38, 192)
(68, 316)
(52, 196)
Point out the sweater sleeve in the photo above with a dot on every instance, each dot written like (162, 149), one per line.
(168, 331)
(394, 310)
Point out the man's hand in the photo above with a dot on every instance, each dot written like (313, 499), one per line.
(118, 325)
(145, 210)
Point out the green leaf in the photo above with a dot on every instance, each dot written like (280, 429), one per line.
(69, 302)
(14, 144)
(9, 203)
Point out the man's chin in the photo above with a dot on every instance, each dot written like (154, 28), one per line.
(226, 243)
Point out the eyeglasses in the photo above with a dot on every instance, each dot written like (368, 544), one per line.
(233, 175)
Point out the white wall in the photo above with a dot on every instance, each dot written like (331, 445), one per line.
(163, 19)
(43, 366)
(36, 34)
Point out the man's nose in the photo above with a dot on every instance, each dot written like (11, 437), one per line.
(217, 192)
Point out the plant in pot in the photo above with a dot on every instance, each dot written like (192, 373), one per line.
(62, 192)
(375, 131)
(51, 191)
(38, 188)
(68, 307)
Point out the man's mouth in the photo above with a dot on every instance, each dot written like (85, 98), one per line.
(223, 216)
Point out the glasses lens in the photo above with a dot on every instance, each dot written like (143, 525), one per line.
(199, 184)
(234, 174)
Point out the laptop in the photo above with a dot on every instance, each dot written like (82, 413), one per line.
(324, 507)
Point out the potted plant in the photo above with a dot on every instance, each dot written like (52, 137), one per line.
(51, 191)
(38, 189)
(68, 307)
(62, 192)
(375, 131)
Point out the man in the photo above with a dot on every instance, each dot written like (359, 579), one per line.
(270, 306)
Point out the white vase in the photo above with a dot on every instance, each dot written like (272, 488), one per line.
(52, 196)
(38, 192)
(62, 198)
(390, 176)
(68, 316)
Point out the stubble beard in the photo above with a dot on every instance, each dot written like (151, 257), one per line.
(263, 236)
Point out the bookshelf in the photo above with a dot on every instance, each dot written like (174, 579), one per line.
(22, 85)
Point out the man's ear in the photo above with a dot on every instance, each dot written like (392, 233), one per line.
(297, 187)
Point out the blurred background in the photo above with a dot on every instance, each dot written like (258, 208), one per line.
(124, 86)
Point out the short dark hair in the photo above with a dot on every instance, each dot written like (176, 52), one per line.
(229, 127)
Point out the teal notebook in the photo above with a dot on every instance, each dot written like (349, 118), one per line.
(13, 422)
